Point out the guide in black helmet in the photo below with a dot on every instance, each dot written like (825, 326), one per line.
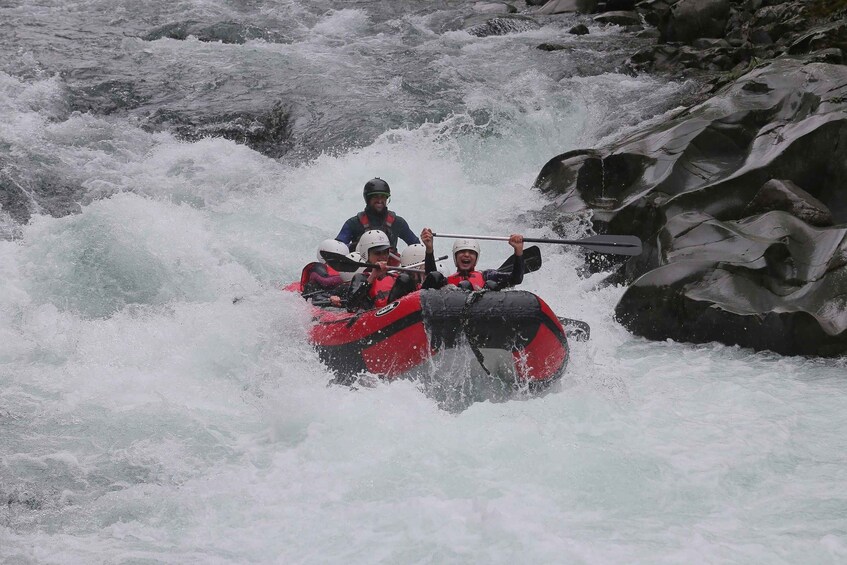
(376, 216)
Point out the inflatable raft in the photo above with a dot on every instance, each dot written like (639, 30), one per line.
(513, 335)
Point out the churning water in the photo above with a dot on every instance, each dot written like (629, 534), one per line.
(146, 417)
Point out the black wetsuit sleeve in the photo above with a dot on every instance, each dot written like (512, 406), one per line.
(358, 294)
(505, 280)
(429, 263)
(517, 272)
(404, 231)
(342, 291)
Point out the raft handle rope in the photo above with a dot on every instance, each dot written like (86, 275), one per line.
(464, 319)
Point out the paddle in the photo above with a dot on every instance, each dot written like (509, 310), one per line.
(316, 292)
(421, 263)
(576, 329)
(531, 261)
(344, 264)
(613, 244)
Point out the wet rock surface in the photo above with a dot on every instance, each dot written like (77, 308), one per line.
(620, 17)
(769, 281)
(568, 6)
(502, 24)
(24, 193)
(741, 202)
(225, 32)
(267, 132)
(747, 33)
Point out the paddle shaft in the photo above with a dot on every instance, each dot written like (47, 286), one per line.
(339, 262)
(612, 244)
(421, 263)
(533, 240)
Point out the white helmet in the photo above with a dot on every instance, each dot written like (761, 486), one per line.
(413, 255)
(372, 239)
(465, 244)
(333, 246)
(356, 256)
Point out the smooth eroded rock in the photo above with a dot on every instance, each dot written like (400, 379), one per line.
(741, 203)
(566, 6)
(692, 19)
(770, 282)
(620, 18)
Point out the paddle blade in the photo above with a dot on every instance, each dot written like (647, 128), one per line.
(531, 261)
(341, 263)
(576, 330)
(612, 244)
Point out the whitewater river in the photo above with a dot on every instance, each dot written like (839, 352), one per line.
(147, 418)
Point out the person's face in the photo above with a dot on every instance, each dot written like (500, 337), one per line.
(466, 260)
(378, 202)
(375, 256)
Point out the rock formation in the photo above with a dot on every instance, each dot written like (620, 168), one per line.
(738, 201)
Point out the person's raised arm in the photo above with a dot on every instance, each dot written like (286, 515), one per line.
(516, 241)
(429, 258)
(515, 276)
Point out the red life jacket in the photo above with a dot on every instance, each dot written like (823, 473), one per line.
(304, 276)
(308, 269)
(381, 288)
(475, 278)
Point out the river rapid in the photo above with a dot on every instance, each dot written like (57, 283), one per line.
(146, 416)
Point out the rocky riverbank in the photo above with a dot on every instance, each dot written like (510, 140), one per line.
(741, 200)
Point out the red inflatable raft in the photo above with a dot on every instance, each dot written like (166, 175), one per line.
(513, 335)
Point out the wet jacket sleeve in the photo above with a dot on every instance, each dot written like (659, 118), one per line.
(404, 231)
(321, 298)
(429, 263)
(357, 297)
(325, 280)
(348, 231)
(505, 280)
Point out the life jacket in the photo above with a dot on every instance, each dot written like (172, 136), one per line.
(475, 277)
(384, 226)
(315, 267)
(366, 222)
(381, 288)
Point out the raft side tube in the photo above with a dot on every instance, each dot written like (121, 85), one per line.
(403, 335)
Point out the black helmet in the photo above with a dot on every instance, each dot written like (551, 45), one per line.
(374, 187)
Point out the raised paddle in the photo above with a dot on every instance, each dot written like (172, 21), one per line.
(531, 261)
(613, 244)
(344, 264)
(421, 263)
